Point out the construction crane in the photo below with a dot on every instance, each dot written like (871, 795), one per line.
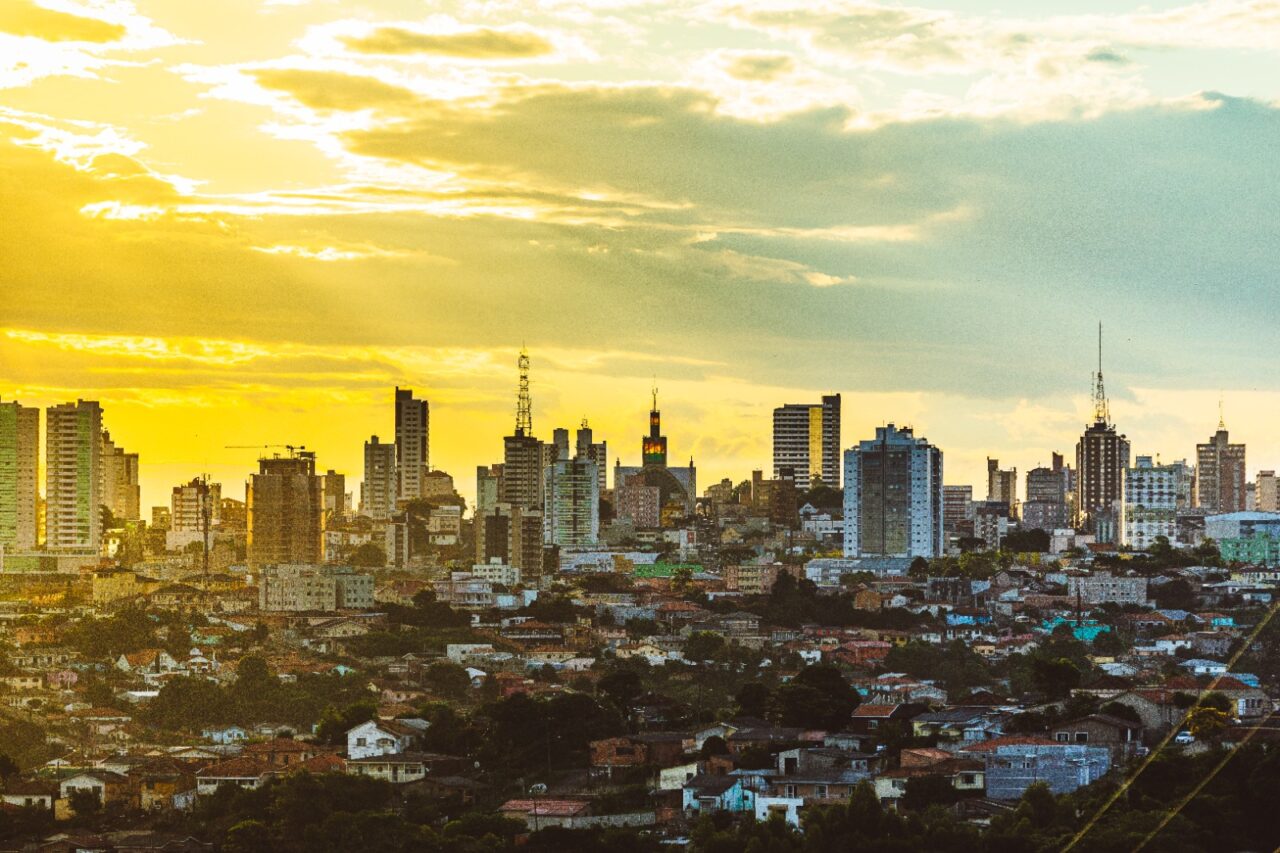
(291, 447)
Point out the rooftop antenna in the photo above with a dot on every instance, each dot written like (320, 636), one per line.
(524, 406)
(655, 393)
(1101, 411)
(1222, 423)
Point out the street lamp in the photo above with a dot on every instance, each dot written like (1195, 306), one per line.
(537, 789)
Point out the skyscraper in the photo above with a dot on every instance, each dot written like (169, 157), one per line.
(1220, 474)
(572, 516)
(121, 492)
(957, 506)
(1102, 455)
(19, 463)
(653, 447)
(195, 509)
(380, 485)
(412, 443)
(1267, 497)
(523, 456)
(893, 496)
(806, 438)
(73, 476)
(1047, 507)
(286, 511)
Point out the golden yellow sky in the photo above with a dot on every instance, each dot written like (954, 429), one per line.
(245, 222)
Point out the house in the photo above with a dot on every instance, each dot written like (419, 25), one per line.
(545, 812)
(402, 768)
(966, 775)
(247, 773)
(1155, 707)
(225, 735)
(870, 717)
(104, 722)
(34, 793)
(704, 793)
(165, 784)
(106, 786)
(788, 796)
(147, 661)
(380, 737)
(283, 752)
(1122, 737)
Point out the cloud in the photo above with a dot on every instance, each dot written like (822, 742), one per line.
(26, 18)
(761, 66)
(481, 43)
(333, 90)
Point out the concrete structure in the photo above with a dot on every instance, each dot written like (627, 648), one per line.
(120, 489)
(1105, 588)
(73, 477)
(1257, 550)
(1048, 503)
(1012, 767)
(286, 511)
(677, 486)
(572, 517)
(1220, 474)
(195, 510)
(1002, 485)
(991, 522)
(1149, 506)
(957, 506)
(1266, 496)
(1102, 455)
(412, 443)
(522, 475)
(893, 496)
(334, 488)
(306, 588)
(1242, 525)
(594, 451)
(806, 438)
(19, 466)
(381, 484)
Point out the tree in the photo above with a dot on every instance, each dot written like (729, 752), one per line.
(925, 791)
(448, 679)
(819, 697)
(622, 686)
(703, 645)
(713, 745)
(753, 699)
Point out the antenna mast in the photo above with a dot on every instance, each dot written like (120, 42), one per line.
(524, 406)
(1101, 411)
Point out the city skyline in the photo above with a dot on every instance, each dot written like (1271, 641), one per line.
(923, 208)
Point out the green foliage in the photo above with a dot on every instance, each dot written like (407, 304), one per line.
(703, 646)
(957, 666)
(819, 697)
(130, 630)
(368, 556)
(447, 679)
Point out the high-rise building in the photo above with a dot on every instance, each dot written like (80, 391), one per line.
(195, 510)
(19, 464)
(893, 496)
(412, 443)
(522, 464)
(1220, 474)
(1149, 508)
(1102, 455)
(1002, 485)
(334, 484)
(1046, 507)
(806, 439)
(285, 504)
(572, 516)
(595, 451)
(380, 486)
(1266, 497)
(653, 447)
(120, 488)
(73, 476)
(957, 506)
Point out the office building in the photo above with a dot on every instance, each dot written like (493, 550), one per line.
(957, 506)
(381, 484)
(806, 439)
(522, 471)
(1102, 455)
(412, 443)
(73, 477)
(1047, 504)
(120, 489)
(1220, 474)
(893, 496)
(285, 508)
(1149, 508)
(1002, 485)
(336, 502)
(19, 467)
(195, 511)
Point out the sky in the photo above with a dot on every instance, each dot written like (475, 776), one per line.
(245, 222)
